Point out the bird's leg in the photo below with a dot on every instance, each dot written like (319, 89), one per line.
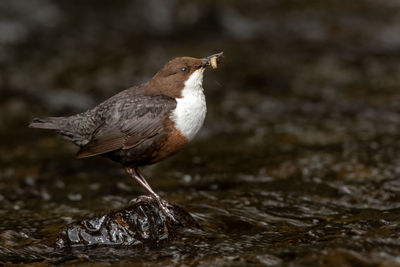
(140, 179)
(134, 172)
(162, 203)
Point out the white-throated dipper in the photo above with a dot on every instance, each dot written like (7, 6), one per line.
(145, 123)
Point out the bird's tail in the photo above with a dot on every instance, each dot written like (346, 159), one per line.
(52, 123)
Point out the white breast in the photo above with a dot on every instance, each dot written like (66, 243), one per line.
(191, 108)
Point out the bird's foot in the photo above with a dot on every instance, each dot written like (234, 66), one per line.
(165, 210)
(162, 204)
(141, 198)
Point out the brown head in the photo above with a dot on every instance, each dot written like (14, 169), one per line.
(171, 78)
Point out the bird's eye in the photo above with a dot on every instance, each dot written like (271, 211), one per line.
(184, 69)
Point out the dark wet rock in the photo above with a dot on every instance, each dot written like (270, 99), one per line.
(140, 223)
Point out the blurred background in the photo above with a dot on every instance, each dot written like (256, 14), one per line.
(299, 158)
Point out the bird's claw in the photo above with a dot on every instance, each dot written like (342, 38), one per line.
(141, 198)
(162, 204)
(165, 210)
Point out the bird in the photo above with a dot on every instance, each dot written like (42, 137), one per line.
(143, 124)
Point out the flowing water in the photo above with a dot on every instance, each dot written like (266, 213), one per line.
(298, 162)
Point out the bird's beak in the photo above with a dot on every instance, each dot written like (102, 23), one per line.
(212, 60)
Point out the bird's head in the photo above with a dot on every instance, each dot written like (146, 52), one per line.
(183, 71)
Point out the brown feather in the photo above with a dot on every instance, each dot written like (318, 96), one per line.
(146, 117)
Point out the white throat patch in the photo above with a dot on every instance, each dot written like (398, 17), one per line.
(191, 108)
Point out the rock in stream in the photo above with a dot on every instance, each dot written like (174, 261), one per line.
(140, 223)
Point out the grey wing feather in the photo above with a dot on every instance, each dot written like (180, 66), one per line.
(128, 124)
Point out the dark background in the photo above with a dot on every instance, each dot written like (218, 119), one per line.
(298, 160)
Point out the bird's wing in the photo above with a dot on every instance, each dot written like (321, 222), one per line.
(128, 123)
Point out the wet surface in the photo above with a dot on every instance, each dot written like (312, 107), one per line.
(299, 158)
(141, 223)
